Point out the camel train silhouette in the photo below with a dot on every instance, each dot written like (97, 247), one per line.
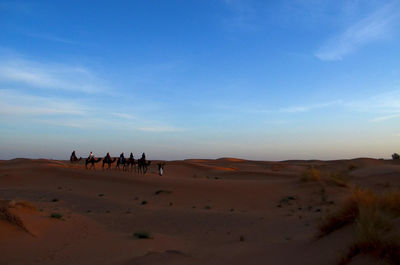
(140, 165)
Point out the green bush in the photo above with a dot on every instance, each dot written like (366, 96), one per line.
(396, 156)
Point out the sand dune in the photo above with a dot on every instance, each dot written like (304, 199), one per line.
(224, 211)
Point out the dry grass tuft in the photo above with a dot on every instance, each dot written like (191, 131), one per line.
(337, 179)
(351, 167)
(311, 175)
(8, 216)
(371, 216)
(344, 216)
(22, 204)
(373, 235)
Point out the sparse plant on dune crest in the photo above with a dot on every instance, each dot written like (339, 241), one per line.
(332, 178)
(311, 175)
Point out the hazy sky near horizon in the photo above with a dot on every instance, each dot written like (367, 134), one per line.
(268, 80)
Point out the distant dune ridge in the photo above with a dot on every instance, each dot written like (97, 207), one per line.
(201, 211)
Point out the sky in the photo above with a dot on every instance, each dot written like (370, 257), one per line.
(263, 80)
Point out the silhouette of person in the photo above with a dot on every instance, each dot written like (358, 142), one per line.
(108, 157)
(91, 156)
(144, 157)
(121, 157)
(73, 154)
(131, 156)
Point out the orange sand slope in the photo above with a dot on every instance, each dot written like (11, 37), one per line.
(224, 211)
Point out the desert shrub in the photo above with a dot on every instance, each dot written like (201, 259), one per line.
(337, 179)
(162, 191)
(352, 167)
(395, 156)
(21, 203)
(371, 216)
(349, 212)
(11, 218)
(142, 235)
(287, 200)
(373, 236)
(344, 216)
(56, 215)
(311, 175)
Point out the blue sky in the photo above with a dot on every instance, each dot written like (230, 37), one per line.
(266, 80)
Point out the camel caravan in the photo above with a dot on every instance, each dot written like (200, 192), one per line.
(125, 164)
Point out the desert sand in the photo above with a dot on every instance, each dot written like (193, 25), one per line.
(224, 211)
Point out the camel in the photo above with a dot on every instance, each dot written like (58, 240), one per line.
(123, 162)
(108, 161)
(126, 162)
(160, 168)
(132, 163)
(143, 165)
(91, 161)
(120, 161)
(73, 158)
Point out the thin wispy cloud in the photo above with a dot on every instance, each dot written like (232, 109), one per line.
(123, 115)
(54, 76)
(387, 117)
(159, 129)
(91, 122)
(51, 38)
(14, 103)
(385, 103)
(63, 112)
(305, 108)
(375, 26)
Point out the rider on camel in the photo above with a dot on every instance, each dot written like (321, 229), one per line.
(143, 157)
(131, 157)
(91, 156)
(121, 157)
(73, 155)
(108, 157)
